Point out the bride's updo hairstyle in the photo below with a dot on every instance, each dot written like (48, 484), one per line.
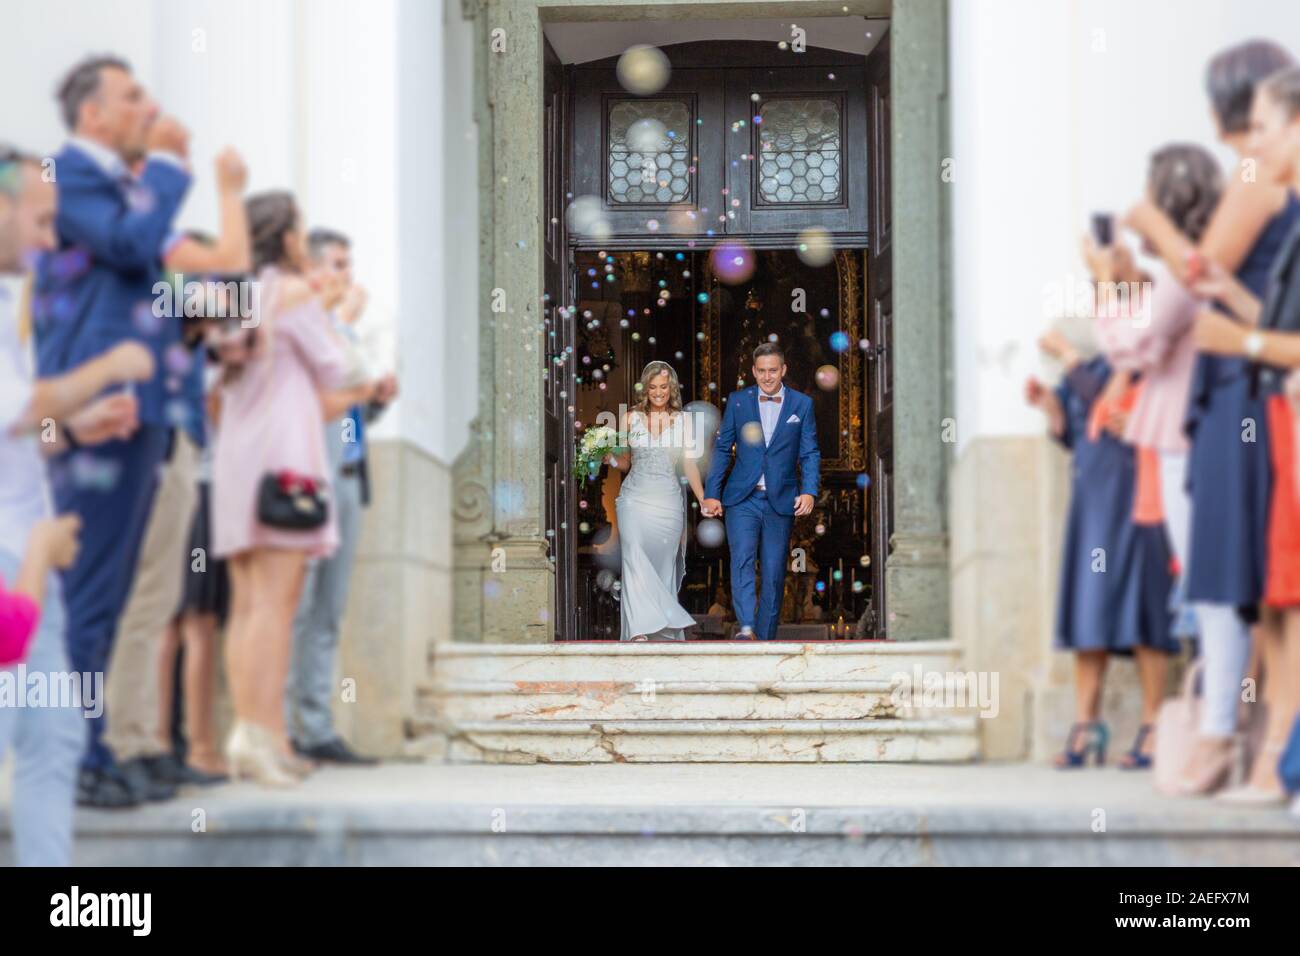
(652, 370)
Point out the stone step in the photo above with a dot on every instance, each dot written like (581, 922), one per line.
(674, 816)
(763, 662)
(943, 739)
(470, 700)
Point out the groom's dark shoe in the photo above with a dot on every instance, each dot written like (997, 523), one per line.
(746, 633)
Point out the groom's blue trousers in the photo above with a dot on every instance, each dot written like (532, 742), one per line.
(758, 533)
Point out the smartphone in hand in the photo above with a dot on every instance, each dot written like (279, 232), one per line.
(1103, 228)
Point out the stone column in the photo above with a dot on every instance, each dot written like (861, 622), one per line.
(504, 581)
(917, 570)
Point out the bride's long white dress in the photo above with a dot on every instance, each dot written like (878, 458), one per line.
(651, 509)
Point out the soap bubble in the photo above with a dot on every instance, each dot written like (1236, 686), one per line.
(815, 247)
(828, 378)
(752, 433)
(178, 359)
(710, 533)
(643, 69)
(586, 216)
(733, 262)
(647, 135)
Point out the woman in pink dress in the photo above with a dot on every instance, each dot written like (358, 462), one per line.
(272, 420)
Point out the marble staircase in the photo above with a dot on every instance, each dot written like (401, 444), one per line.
(594, 702)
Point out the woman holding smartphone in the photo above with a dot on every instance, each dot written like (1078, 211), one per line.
(1228, 469)
(1268, 333)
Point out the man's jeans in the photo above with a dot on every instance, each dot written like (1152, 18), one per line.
(46, 741)
(316, 627)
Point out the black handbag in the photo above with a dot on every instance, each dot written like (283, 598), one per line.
(291, 501)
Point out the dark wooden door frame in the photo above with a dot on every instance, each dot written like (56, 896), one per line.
(879, 274)
(559, 336)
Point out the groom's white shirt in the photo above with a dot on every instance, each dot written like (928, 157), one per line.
(769, 413)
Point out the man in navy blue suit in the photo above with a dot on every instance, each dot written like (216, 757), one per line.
(93, 292)
(775, 480)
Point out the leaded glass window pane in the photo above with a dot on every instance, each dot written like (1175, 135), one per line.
(799, 151)
(649, 151)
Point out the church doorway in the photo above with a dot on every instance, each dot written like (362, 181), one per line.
(744, 199)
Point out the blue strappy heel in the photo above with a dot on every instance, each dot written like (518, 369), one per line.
(1135, 759)
(1075, 756)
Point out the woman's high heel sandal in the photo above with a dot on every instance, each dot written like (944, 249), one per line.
(1221, 770)
(1084, 739)
(296, 765)
(1135, 759)
(250, 755)
(1250, 795)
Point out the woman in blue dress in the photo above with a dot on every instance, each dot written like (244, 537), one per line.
(1229, 467)
(1115, 574)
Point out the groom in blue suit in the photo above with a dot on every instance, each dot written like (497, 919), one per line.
(775, 480)
(120, 180)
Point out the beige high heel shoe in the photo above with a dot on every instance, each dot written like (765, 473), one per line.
(250, 754)
(1249, 795)
(1223, 770)
(295, 765)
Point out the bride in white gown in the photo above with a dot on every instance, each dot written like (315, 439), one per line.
(651, 509)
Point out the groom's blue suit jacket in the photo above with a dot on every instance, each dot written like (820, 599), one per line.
(791, 462)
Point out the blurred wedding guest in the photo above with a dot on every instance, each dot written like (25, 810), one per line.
(269, 485)
(47, 741)
(190, 637)
(133, 689)
(1228, 469)
(1272, 347)
(1184, 183)
(94, 291)
(325, 593)
(1115, 583)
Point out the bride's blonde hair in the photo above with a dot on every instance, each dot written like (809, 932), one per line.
(674, 388)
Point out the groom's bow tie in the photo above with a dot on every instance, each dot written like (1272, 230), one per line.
(770, 398)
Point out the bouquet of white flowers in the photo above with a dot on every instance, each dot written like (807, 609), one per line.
(596, 442)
